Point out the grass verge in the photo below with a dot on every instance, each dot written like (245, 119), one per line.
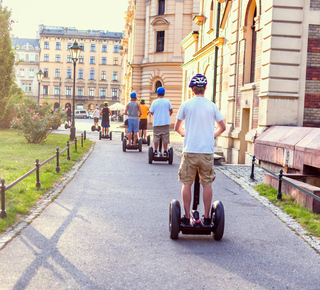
(308, 219)
(17, 157)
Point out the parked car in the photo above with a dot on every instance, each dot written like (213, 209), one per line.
(81, 114)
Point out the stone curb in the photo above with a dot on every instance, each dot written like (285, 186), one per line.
(43, 202)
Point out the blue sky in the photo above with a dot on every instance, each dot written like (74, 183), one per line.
(92, 14)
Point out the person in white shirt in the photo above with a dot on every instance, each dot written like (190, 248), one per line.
(96, 116)
(199, 115)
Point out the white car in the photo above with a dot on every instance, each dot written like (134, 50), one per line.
(81, 114)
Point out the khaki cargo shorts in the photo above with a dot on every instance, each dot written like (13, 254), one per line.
(191, 162)
(159, 131)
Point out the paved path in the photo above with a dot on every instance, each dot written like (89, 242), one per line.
(108, 229)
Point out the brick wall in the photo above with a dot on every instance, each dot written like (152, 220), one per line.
(312, 94)
(315, 5)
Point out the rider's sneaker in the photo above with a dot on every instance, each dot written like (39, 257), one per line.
(155, 153)
(185, 221)
(165, 154)
(206, 221)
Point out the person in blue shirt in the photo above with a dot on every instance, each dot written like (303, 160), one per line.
(161, 109)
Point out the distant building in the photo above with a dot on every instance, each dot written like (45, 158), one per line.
(98, 70)
(27, 64)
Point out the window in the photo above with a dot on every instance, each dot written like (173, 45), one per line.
(58, 45)
(103, 75)
(81, 46)
(26, 88)
(115, 61)
(69, 45)
(68, 73)
(104, 60)
(93, 47)
(57, 73)
(104, 48)
(45, 72)
(116, 48)
(58, 58)
(31, 73)
(102, 92)
(69, 59)
(45, 90)
(46, 45)
(253, 47)
(22, 72)
(114, 93)
(80, 91)
(81, 59)
(92, 60)
(211, 16)
(68, 91)
(56, 90)
(46, 57)
(80, 74)
(161, 6)
(91, 92)
(160, 41)
(158, 85)
(31, 57)
(91, 74)
(115, 76)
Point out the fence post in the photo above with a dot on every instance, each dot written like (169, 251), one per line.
(3, 200)
(75, 143)
(85, 135)
(37, 172)
(252, 167)
(57, 154)
(81, 139)
(279, 195)
(68, 150)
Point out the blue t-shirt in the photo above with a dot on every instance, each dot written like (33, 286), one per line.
(161, 112)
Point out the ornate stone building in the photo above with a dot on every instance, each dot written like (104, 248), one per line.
(262, 61)
(98, 70)
(151, 47)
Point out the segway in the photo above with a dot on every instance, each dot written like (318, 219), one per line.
(66, 126)
(196, 227)
(160, 156)
(130, 146)
(145, 141)
(93, 128)
(108, 136)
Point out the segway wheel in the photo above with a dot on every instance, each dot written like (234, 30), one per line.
(100, 135)
(124, 145)
(150, 155)
(170, 155)
(110, 136)
(65, 126)
(218, 219)
(93, 128)
(148, 140)
(122, 136)
(174, 219)
(99, 128)
(140, 144)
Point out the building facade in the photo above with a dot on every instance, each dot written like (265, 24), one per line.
(98, 70)
(262, 62)
(151, 47)
(27, 55)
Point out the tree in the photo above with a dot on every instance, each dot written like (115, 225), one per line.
(6, 61)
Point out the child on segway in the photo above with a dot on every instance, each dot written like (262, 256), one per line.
(143, 125)
(199, 115)
(105, 123)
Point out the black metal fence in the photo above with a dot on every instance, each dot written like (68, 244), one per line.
(281, 179)
(4, 188)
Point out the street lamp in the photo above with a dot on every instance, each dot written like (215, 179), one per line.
(75, 52)
(39, 77)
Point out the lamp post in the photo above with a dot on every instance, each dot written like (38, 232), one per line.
(75, 52)
(39, 77)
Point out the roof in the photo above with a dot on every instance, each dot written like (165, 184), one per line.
(23, 41)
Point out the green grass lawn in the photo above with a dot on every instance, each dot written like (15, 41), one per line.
(17, 157)
(308, 219)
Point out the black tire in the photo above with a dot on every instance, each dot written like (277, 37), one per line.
(140, 144)
(66, 126)
(110, 136)
(174, 219)
(124, 144)
(100, 135)
(150, 155)
(148, 140)
(218, 219)
(122, 136)
(170, 155)
(99, 128)
(93, 128)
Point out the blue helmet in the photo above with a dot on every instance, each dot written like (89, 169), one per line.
(198, 80)
(133, 95)
(161, 91)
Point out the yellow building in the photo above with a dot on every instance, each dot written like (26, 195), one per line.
(151, 48)
(98, 70)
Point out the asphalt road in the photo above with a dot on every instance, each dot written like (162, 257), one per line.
(108, 229)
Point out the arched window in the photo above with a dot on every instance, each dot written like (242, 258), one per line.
(158, 85)
(253, 47)
(161, 7)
